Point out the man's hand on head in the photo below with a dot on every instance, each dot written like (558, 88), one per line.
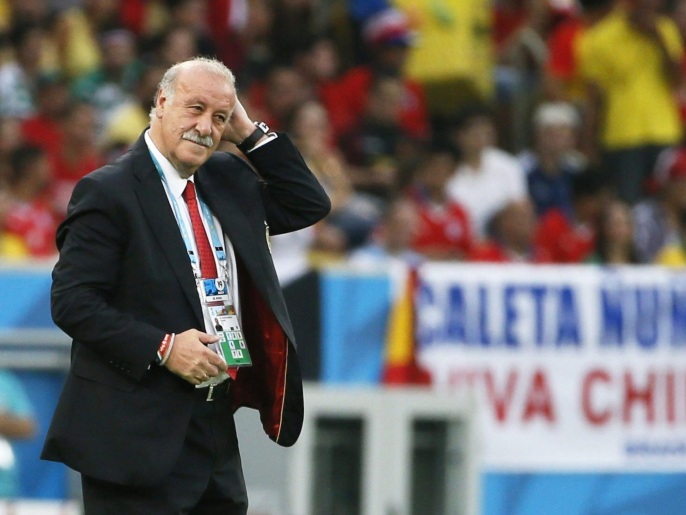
(192, 360)
(239, 126)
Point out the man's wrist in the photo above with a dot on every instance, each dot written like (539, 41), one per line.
(165, 348)
(244, 132)
(261, 130)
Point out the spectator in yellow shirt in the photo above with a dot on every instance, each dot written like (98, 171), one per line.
(631, 61)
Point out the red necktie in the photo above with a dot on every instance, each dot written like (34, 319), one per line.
(208, 270)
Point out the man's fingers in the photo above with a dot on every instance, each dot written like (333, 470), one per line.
(192, 359)
(217, 361)
(207, 338)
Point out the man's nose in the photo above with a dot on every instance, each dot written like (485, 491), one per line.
(204, 124)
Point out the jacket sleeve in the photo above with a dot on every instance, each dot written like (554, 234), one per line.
(293, 198)
(91, 242)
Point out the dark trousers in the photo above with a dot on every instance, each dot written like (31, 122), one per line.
(628, 169)
(206, 480)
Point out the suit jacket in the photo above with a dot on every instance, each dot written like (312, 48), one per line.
(123, 280)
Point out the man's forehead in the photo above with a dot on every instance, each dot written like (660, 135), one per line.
(202, 82)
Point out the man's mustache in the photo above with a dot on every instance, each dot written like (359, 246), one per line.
(205, 141)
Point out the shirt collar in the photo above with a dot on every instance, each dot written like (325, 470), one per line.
(175, 182)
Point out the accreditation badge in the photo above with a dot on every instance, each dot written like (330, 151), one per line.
(233, 349)
(215, 291)
(231, 345)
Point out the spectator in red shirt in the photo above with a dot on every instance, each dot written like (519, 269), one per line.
(318, 61)
(571, 239)
(562, 80)
(28, 216)
(388, 37)
(508, 17)
(444, 230)
(43, 129)
(512, 237)
(78, 154)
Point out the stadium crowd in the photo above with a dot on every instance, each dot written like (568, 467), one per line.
(571, 156)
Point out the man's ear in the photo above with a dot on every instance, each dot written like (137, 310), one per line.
(160, 102)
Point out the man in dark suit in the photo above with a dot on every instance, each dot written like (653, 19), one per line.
(136, 418)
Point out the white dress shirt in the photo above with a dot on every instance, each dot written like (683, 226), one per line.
(176, 185)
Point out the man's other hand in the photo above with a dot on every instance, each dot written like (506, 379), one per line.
(192, 360)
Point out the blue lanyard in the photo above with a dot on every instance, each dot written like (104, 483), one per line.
(205, 212)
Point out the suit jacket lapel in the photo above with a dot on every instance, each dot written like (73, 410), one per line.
(163, 225)
(253, 254)
(226, 207)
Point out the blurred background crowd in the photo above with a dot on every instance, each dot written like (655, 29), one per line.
(540, 131)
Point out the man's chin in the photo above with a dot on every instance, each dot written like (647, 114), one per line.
(195, 151)
(188, 164)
